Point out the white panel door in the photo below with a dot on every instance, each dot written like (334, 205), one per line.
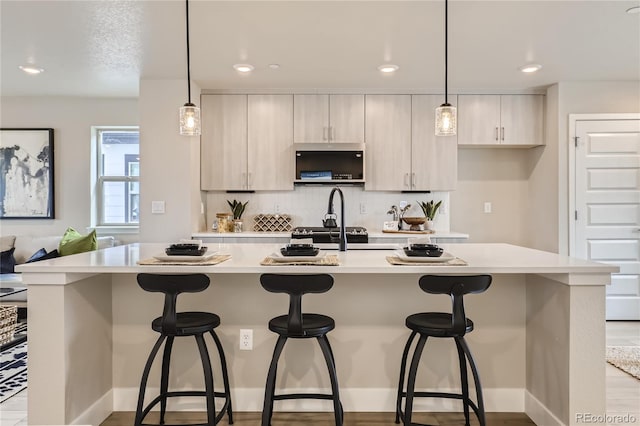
(608, 205)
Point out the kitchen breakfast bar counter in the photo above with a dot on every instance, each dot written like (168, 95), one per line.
(539, 337)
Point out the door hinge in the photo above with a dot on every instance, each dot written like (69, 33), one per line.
(575, 140)
(576, 214)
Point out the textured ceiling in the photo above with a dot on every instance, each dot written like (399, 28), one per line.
(103, 48)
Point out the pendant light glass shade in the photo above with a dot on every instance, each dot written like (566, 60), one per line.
(446, 120)
(189, 112)
(189, 120)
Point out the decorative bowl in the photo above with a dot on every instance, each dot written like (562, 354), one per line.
(414, 222)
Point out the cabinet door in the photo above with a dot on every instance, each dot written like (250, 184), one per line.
(346, 118)
(270, 145)
(522, 118)
(388, 135)
(434, 159)
(478, 119)
(311, 118)
(223, 151)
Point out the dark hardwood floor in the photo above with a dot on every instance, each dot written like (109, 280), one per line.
(326, 419)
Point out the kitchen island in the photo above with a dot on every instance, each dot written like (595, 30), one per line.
(539, 337)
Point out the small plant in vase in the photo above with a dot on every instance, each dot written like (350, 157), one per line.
(237, 209)
(430, 209)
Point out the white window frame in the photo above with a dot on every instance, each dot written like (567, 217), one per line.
(98, 180)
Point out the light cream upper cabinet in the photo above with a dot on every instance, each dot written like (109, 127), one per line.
(328, 118)
(434, 159)
(270, 142)
(501, 120)
(224, 143)
(388, 135)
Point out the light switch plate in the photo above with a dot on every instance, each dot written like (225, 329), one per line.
(157, 207)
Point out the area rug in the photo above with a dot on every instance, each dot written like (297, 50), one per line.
(626, 358)
(13, 371)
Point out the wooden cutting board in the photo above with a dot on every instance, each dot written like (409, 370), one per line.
(426, 231)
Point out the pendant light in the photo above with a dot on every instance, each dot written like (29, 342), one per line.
(189, 112)
(446, 114)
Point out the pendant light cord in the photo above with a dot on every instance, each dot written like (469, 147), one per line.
(446, 51)
(188, 56)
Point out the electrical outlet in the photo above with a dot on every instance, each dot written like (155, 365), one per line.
(157, 207)
(443, 208)
(246, 339)
(487, 207)
(276, 208)
(363, 208)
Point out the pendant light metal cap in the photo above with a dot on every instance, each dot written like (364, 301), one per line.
(446, 120)
(189, 120)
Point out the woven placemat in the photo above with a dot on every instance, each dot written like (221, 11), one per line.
(329, 260)
(214, 260)
(453, 262)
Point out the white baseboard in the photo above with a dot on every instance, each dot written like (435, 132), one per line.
(353, 400)
(538, 412)
(98, 412)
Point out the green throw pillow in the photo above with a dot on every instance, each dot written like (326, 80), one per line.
(73, 242)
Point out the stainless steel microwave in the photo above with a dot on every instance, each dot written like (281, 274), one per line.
(322, 163)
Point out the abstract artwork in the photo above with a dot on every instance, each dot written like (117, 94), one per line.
(26, 174)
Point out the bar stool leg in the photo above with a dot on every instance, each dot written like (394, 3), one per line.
(208, 380)
(403, 368)
(411, 381)
(476, 379)
(225, 375)
(269, 389)
(328, 356)
(465, 381)
(145, 377)
(164, 378)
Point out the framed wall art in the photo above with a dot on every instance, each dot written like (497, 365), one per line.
(26, 174)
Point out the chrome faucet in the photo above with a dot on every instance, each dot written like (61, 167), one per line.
(330, 213)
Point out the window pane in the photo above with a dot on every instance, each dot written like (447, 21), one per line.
(120, 204)
(120, 152)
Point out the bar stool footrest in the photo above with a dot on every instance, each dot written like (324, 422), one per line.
(174, 394)
(303, 396)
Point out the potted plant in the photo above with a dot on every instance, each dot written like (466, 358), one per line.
(430, 209)
(237, 208)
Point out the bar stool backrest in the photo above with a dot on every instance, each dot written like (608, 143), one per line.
(456, 286)
(172, 286)
(296, 286)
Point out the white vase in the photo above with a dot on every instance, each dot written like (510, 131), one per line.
(428, 225)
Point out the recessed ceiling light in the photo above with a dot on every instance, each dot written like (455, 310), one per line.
(388, 68)
(243, 67)
(529, 68)
(31, 69)
(633, 10)
(274, 66)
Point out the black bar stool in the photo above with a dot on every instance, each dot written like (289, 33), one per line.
(297, 325)
(438, 324)
(171, 325)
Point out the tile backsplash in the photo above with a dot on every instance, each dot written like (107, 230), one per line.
(307, 205)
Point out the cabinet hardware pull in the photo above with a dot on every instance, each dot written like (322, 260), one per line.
(502, 133)
(496, 133)
(406, 180)
(413, 180)
(332, 133)
(245, 183)
(324, 133)
(249, 180)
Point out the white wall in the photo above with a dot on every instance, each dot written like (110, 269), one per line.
(71, 119)
(549, 184)
(169, 163)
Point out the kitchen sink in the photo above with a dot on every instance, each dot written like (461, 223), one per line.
(360, 246)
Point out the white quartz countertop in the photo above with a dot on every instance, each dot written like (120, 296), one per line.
(246, 258)
(372, 234)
